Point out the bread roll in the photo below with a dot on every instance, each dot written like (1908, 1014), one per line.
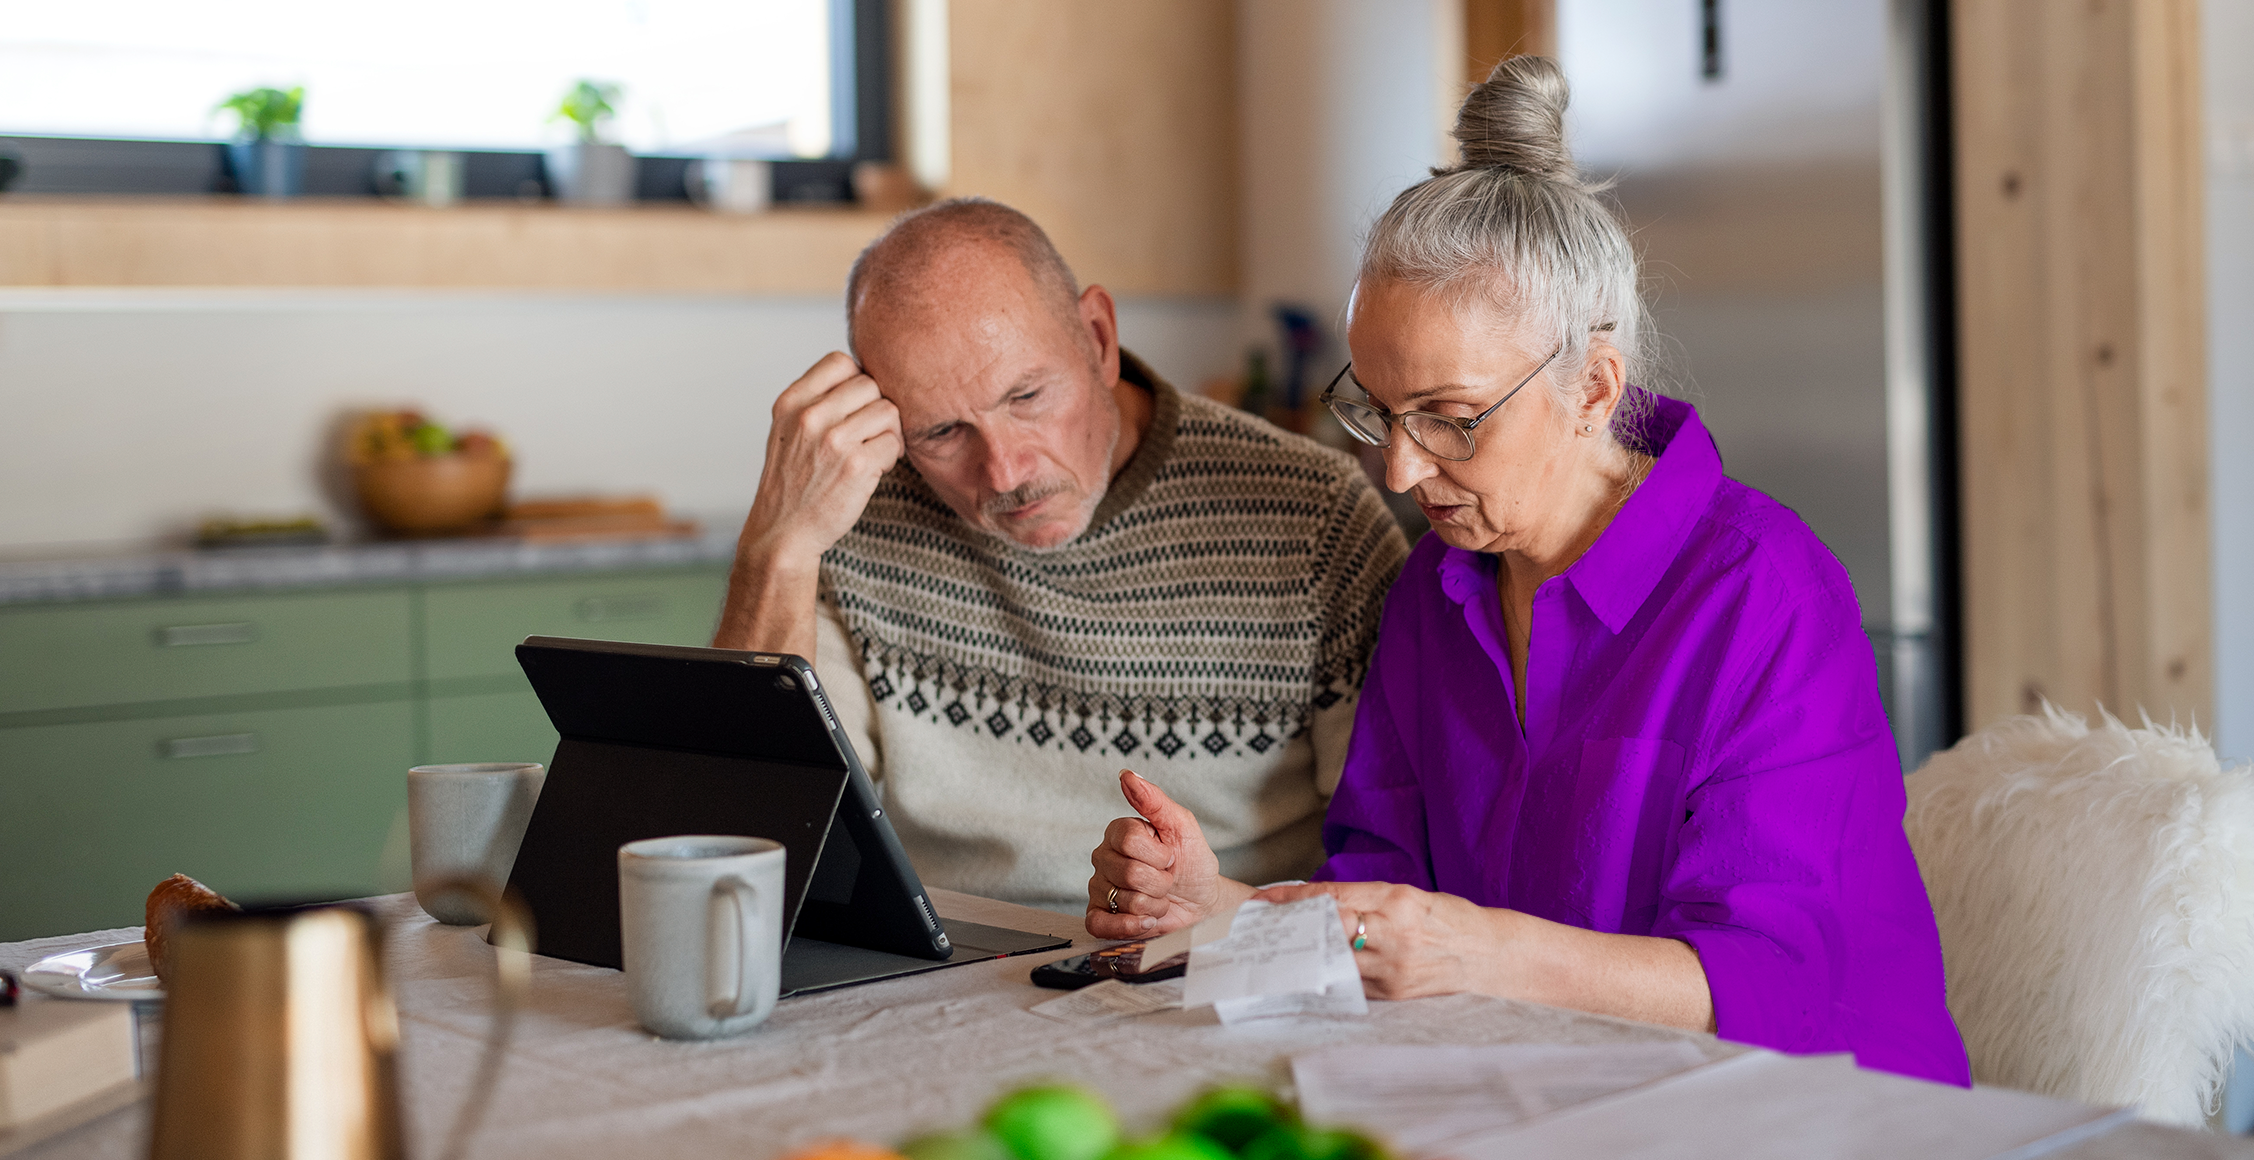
(174, 897)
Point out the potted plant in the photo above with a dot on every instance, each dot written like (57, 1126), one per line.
(588, 171)
(267, 155)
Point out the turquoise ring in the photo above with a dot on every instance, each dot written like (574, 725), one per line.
(1361, 933)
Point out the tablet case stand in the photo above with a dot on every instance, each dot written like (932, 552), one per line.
(658, 741)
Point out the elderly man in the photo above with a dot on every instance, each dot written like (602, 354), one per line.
(1020, 560)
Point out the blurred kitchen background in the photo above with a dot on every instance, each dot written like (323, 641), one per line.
(175, 347)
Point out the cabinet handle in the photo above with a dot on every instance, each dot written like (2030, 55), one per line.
(219, 746)
(596, 609)
(184, 635)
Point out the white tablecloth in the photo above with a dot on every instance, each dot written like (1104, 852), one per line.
(878, 1062)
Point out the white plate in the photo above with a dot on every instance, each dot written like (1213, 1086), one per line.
(119, 971)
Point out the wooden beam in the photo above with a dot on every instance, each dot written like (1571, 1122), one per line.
(2082, 397)
(1112, 124)
(229, 241)
(1495, 30)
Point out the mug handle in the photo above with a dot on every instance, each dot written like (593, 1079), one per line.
(735, 894)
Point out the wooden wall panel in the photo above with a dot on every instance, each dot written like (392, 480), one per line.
(1112, 124)
(2082, 403)
(1498, 29)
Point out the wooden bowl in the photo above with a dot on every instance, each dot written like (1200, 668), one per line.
(434, 496)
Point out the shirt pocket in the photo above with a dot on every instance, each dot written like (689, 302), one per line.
(1627, 805)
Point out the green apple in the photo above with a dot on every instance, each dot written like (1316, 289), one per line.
(1171, 1146)
(1232, 1116)
(1300, 1142)
(431, 439)
(973, 1144)
(1054, 1122)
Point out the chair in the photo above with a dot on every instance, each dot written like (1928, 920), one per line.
(2095, 891)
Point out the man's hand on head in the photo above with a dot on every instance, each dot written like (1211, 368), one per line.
(833, 437)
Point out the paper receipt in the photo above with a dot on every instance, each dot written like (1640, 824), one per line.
(1278, 960)
(1111, 999)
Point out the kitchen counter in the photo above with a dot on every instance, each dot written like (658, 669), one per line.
(128, 574)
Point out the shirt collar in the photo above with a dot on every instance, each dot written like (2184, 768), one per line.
(1618, 572)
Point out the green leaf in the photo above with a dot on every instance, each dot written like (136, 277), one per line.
(263, 112)
(588, 104)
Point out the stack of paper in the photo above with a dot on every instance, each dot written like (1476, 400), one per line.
(1765, 1106)
(59, 1058)
(1656, 1100)
(1424, 1099)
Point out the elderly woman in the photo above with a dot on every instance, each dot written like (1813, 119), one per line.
(1620, 747)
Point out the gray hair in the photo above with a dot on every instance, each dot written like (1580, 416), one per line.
(1517, 227)
(903, 257)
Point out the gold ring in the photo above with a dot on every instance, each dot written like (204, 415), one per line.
(1111, 900)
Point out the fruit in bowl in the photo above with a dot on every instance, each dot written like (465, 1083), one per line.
(416, 478)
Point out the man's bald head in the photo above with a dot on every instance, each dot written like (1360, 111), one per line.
(925, 256)
(1005, 377)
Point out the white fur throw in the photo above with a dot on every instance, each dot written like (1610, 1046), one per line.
(2095, 890)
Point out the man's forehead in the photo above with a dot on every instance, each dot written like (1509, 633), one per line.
(935, 396)
(975, 361)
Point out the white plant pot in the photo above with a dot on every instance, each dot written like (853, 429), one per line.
(584, 174)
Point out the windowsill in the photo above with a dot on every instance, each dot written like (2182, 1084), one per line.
(232, 241)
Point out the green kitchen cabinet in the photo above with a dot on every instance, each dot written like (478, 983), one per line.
(260, 741)
(472, 630)
(507, 726)
(128, 651)
(481, 708)
(280, 803)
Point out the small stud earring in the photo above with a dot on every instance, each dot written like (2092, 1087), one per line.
(1587, 428)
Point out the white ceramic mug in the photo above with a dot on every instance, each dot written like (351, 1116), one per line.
(730, 184)
(700, 919)
(466, 821)
(433, 178)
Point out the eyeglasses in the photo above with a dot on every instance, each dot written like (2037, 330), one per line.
(1444, 436)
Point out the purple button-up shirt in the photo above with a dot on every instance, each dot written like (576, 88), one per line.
(1704, 758)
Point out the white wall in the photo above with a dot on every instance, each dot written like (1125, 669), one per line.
(2229, 43)
(1786, 363)
(131, 415)
(1341, 104)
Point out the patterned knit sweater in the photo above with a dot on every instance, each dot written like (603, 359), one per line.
(1209, 630)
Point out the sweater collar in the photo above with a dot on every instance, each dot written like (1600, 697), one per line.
(1150, 454)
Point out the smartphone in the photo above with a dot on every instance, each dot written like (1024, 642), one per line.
(1123, 962)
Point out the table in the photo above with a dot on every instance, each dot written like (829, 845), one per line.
(878, 1062)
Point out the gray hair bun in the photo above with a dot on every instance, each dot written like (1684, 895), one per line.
(1517, 228)
(1515, 120)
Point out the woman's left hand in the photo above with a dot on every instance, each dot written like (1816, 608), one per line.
(1414, 942)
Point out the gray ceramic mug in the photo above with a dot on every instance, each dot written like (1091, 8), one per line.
(466, 821)
(700, 921)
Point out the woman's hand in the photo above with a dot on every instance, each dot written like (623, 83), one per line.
(1165, 876)
(1415, 942)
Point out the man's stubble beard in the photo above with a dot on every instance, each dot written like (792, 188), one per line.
(992, 510)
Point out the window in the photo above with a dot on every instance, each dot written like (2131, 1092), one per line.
(119, 96)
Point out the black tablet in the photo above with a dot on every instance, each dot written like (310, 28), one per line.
(659, 740)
